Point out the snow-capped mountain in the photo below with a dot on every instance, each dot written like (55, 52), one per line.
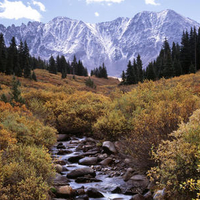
(114, 42)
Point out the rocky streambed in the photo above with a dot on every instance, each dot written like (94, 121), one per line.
(87, 169)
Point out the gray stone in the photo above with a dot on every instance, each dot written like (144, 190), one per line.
(75, 159)
(60, 180)
(58, 168)
(94, 193)
(128, 174)
(159, 195)
(65, 191)
(62, 137)
(88, 161)
(107, 161)
(109, 147)
(81, 172)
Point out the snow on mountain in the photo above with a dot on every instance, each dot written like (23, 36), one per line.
(113, 43)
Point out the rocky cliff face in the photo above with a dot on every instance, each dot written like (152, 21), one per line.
(113, 43)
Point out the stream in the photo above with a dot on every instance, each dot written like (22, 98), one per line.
(107, 178)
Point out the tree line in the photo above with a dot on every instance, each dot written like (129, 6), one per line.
(100, 72)
(16, 60)
(65, 67)
(172, 61)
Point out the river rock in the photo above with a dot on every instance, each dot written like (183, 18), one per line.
(60, 180)
(61, 146)
(63, 152)
(128, 174)
(138, 197)
(88, 147)
(109, 147)
(62, 137)
(117, 190)
(65, 191)
(106, 161)
(88, 161)
(148, 196)
(139, 181)
(86, 180)
(75, 159)
(94, 193)
(81, 172)
(159, 195)
(58, 168)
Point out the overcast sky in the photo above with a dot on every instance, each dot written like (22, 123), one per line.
(92, 11)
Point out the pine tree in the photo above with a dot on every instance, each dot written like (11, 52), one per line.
(123, 76)
(185, 53)
(104, 71)
(15, 92)
(33, 76)
(27, 66)
(74, 66)
(2, 54)
(130, 79)
(150, 72)
(140, 71)
(52, 65)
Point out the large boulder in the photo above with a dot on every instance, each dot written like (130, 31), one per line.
(75, 159)
(81, 172)
(94, 193)
(65, 191)
(62, 137)
(106, 161)
(58, 168)
(60, 180)
(128, 174)
(109, 147)
(88, 161)
(140, 181)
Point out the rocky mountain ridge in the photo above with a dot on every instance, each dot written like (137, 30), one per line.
(114, 42)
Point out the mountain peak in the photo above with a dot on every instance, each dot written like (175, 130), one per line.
(113, 42)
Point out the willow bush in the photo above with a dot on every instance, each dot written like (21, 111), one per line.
(178, 160)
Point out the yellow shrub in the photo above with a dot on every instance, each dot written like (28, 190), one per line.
(150, 112)
(25, 173)
(178, 161)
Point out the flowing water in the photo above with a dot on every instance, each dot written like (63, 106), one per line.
(105, 187)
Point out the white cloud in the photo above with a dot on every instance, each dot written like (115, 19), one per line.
(96, 14)
(41, 6)
(17, 10)
(100, 1)
(151, 2)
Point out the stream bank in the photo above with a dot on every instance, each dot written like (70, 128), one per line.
(87, 169)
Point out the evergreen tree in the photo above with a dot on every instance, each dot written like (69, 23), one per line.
(52, 65)
(140, 71)
(150, 72)
(2, 54)
(123, 76)
(192, 69)
(58, 64)
(185, 53)
(15, 92)
(33, 76)
(104, 71)
(74, 65)
(135, 72)
(177, 67)
(27, 66)
(130, 79)
(198, 50)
